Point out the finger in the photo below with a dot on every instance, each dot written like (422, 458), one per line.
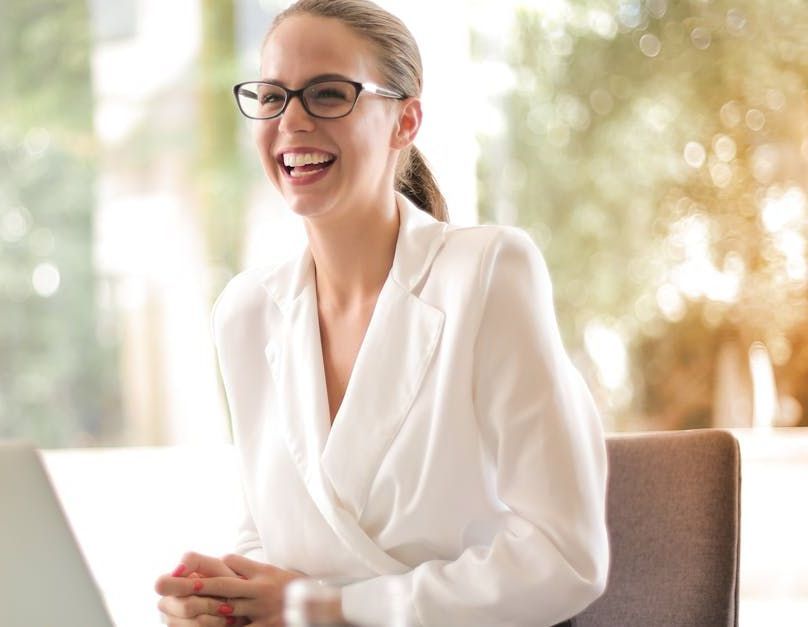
(245, 566)
(242, 609)
(180, 571)
(225, 610)
(224, 587)
(193, 607)
(201, 621)
(192, 566)
(206, 621)
(205, 565)
(168, 586)
(232, 610)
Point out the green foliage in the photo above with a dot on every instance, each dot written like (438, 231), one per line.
(57, 386)
(221, 176)
(609, 100)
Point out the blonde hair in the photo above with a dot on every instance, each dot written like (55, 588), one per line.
(400, 65)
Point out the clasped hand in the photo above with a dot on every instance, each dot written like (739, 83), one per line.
(206, 591)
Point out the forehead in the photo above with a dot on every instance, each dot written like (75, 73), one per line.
(303, 46)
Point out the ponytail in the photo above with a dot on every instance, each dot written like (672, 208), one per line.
(415, 180)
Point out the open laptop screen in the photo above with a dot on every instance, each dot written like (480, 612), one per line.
(44, 579)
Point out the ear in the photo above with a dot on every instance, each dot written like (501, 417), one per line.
(407, 124)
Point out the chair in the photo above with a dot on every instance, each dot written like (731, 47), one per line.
(673, 514)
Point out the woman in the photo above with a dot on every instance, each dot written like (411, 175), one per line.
(403, 407)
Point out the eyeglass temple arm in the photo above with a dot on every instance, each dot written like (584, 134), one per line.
(381, 91)
(247, 93)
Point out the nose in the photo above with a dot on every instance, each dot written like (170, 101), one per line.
(295, 118)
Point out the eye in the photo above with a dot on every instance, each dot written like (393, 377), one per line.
(270, 98)
(331, 93)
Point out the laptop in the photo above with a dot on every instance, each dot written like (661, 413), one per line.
(44, 579)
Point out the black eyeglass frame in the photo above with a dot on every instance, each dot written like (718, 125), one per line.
(372, 88)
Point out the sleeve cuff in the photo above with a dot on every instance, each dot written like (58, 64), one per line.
(375, 602)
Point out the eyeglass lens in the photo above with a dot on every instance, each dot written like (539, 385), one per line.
(331, 99)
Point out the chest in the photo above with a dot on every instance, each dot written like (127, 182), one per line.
(341, 337)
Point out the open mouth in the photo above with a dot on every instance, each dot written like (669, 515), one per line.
(302, 165)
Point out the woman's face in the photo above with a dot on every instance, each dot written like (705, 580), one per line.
(359, 146)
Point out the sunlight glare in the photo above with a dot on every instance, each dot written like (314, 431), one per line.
(782, 211)
(764, 389)
(608, 351)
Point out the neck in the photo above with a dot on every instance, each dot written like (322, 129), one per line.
(353, 255)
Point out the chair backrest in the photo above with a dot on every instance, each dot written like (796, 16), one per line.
(673, 511)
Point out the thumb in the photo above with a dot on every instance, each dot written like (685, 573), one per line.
(243, 566)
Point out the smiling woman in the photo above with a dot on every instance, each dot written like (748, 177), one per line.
(403, 408)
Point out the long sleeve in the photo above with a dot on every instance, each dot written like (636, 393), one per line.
(248, 543)
(542, 434)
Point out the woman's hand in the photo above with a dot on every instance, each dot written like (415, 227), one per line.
(182, 601)
(235, 588)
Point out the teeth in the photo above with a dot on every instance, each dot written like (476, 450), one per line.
(293, 159)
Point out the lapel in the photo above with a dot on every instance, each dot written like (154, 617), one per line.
(338, 463)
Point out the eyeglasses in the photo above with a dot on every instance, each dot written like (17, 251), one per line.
(329, 99)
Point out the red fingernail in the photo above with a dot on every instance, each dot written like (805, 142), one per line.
(225, 609)
(178, 571)
(198, 585)
(231, 620)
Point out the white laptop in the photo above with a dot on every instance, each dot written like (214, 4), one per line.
(44, 579)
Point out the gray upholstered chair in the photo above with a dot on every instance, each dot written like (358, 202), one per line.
(673, 512)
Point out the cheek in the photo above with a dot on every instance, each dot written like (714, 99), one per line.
(264, 135)
(369, 141)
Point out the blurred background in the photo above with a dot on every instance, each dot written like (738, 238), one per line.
(656, 150)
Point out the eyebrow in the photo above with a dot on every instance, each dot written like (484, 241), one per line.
(319, 77)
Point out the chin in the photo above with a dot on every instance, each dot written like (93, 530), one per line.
(307, 207)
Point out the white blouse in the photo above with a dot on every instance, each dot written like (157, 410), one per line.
(467, 459)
